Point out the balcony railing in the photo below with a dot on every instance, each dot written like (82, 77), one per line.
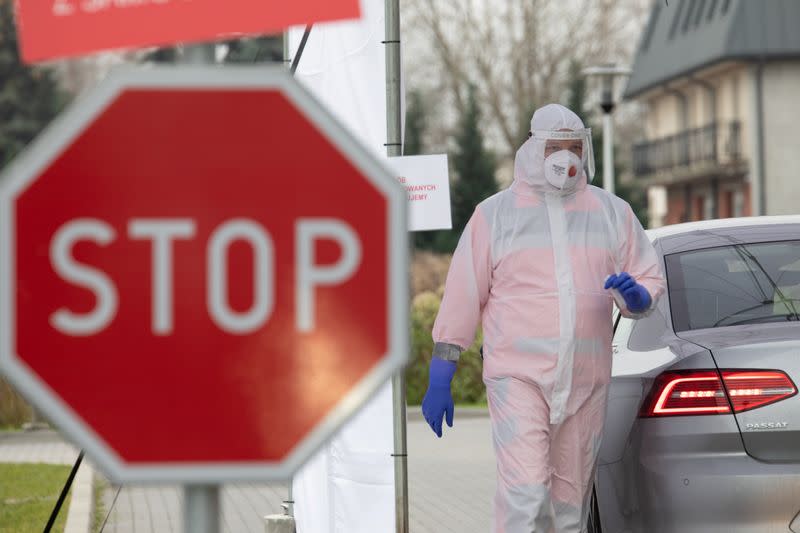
(715, 144)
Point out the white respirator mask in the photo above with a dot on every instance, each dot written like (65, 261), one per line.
(563, 169)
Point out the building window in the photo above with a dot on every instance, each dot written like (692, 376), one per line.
(711, 100)
(725, 5)
(726, 207)
(738, 203)
(698, 208)
(708, 207)
(683, 111)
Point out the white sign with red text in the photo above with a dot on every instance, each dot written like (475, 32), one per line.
(425, 178)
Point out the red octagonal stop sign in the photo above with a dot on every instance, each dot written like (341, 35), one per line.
(201, 274)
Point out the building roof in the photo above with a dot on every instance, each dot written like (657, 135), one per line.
(688, 35)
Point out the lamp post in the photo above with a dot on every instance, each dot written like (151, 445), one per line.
(607, 75)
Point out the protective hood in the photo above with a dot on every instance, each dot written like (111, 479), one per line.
(551, 122)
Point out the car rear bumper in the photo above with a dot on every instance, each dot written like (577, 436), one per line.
(676, 479)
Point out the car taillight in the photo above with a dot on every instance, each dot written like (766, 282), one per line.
(701, 392)
(750, 389)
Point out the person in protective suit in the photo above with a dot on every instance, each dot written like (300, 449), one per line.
(539, 265)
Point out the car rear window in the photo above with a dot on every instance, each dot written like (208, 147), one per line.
(733, 285)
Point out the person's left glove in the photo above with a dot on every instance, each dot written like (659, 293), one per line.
(438, 401)
(636, 297)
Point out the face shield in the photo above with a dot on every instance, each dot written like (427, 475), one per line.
(567, 156)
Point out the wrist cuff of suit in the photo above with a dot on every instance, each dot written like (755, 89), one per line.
(448, 352)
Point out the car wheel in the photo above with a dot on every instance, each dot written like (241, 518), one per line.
(593, 523)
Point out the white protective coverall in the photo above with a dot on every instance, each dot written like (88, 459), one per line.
(531, 266)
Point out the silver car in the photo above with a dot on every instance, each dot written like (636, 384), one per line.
(703, 424)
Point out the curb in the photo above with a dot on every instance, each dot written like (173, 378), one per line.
(81, 505)
(31, 436)
(414, 412)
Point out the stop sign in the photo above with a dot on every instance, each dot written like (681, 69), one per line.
(201, 274)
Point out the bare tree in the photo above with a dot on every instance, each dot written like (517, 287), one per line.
(516, 52)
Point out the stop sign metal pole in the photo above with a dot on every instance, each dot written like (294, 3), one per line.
(289, 503)
(201, 503)
(394, 147)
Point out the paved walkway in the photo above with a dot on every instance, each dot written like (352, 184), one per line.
(157, 509)
(451, 485)
(452, 479)
(36, 447)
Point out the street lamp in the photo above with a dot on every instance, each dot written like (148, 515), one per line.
(607, 74)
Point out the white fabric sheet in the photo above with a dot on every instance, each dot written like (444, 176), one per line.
(348, 487)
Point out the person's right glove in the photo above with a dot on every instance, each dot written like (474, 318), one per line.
(438, 401)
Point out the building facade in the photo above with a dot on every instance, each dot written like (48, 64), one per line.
(720, 84)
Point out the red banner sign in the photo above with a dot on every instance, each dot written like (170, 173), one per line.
(50, 29)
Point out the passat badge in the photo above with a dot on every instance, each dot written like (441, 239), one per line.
(766, 425)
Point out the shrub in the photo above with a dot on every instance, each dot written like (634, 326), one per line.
(14, 411)
(467, 385)
(428, 271)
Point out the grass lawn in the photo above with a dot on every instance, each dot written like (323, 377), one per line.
(28, 493)
(100, 512)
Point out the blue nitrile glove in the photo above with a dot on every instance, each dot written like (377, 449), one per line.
(438, 401)
(636, 296)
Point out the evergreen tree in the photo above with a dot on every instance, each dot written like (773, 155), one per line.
(29, 96)
(29, 100)
(413, 144)
(474, 167)
(415, 124)
(577, 91)
(265, 48)
(162, 55)
(632, 194)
